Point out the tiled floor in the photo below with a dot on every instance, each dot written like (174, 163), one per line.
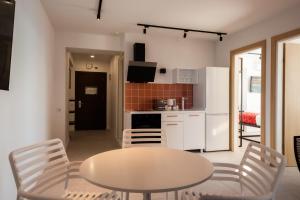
(86, 144)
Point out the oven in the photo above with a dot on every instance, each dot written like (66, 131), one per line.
(146, 121)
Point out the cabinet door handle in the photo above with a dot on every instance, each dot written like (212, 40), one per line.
(172, 124)
(194, 115)
(172, 115)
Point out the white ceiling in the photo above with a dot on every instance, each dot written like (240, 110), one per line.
(119, 16)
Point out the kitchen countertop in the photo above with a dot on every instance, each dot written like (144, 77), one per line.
(163, 111)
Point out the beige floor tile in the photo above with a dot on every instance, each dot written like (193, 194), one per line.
(87, 143)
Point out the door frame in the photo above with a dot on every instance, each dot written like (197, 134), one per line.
(273, 111)
(263, 45)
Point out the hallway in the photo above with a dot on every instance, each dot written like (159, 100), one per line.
(84, 144)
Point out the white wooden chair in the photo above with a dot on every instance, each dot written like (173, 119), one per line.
(40, 167)
(143, 137)
(258, 175)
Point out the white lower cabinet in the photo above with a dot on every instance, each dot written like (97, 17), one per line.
(194, 130)
(185, 130)
(174, 132)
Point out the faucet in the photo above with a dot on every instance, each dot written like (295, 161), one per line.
(183, 99)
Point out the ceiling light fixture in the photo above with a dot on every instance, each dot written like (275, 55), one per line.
(221, 38)
(92, 56)
(184, 34)
(145, 29)
(182, 29)
(99, 10)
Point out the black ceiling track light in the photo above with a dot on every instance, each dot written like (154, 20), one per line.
(99, 10)
(220, 34)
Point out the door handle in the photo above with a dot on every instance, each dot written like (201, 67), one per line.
(79, 104)
(172, 124)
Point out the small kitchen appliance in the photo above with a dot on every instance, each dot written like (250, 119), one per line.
(159, 104)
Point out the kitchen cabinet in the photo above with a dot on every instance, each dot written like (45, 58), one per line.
(172, 117)
(172, 125)
(185, 130)
(194, 130)
(174, 132)
(185, 76)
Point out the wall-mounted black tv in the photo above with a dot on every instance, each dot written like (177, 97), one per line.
(7, 13)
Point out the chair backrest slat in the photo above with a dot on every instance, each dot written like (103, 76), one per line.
(297, 150)
(43, 167)
(39, 165)
(261, 169)
(267, 177)
(143, 137)
(41, 159)
(38, 151)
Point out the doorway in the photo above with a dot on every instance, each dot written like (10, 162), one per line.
(287, 98)
(247, 95)
(291, 98)
(90, 98)
(95, 101)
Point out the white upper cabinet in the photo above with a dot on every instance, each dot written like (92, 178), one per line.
(185, 76)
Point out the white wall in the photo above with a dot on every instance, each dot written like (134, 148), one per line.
(63, 41)
(251, 67)
(265, 30)
(25, 108)
(171, 52)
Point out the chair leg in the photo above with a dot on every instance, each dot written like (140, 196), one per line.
(167, 195)
(127, 196)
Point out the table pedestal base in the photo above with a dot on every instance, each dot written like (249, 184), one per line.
(147, 196)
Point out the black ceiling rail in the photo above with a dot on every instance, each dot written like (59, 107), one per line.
(99, 10)
(220, 34)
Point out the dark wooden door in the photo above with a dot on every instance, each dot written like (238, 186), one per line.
(90, 97)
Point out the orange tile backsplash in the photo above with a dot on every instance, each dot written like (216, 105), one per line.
(139, 96)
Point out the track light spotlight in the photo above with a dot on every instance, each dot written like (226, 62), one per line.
(184, 34)
(145, 29)
(221, 38)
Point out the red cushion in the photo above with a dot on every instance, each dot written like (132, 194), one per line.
(248, 118)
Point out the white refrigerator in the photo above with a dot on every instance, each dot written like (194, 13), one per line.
(212, 95)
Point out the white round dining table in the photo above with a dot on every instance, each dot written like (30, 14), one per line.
(146, 170)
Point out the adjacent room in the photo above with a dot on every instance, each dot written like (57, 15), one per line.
(248, 68)
(141, 100)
